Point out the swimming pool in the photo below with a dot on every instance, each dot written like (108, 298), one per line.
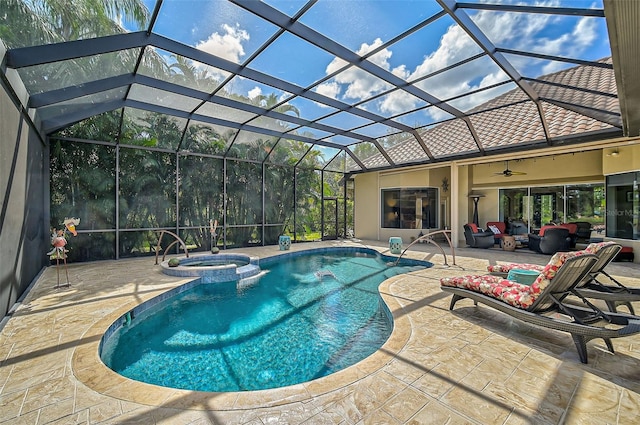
(309, 316)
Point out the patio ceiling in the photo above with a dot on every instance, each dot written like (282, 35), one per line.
(435, 81)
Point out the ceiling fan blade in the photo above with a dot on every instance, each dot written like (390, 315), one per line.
(508, 173)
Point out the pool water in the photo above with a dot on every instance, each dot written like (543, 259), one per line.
(308, 317)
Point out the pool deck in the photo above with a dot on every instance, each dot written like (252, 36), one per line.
(472, 365)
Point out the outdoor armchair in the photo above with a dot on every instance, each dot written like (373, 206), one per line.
(573, 233)
(517, 228)
(499, 229)
(584, 229)
(478, 238)
(549, 240)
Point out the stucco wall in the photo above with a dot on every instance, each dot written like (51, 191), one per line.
(579, 167)
(553, 169)
(627, 159)
(367, 199)
(23, 242)
(366, 206)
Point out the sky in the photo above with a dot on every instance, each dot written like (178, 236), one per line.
(227, 31)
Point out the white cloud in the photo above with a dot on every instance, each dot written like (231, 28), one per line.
(518, 31)
(583, 35)
(227, 45)
(510, 30)
(455, 45)
(397, 102)
(254, 92)
(360, 84)
(438, 114)
(331, 89)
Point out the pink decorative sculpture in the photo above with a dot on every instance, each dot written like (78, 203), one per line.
(213, 226)
(59, 241)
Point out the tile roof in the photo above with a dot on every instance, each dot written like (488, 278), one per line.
(578, 100)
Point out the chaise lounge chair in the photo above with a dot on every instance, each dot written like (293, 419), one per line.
(591, 287)
(541, 303)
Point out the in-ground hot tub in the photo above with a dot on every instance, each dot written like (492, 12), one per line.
(212, 268)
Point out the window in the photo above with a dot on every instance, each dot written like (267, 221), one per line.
(410, 208)
(586, 202)
(546, 206)
(623, 206)
(514, 205)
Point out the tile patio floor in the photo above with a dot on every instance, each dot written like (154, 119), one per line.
(470, 366)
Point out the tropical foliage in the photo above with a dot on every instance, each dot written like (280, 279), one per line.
(28, 23)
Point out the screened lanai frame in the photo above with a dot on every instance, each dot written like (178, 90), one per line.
(355, 136)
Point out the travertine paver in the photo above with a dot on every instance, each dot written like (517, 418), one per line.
(472, 365)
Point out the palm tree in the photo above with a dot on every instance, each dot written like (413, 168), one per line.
(184, 72)
(270, 101)
(29, 23)
(88, 195)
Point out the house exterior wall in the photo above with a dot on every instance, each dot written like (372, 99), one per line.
(368, 187)
(627, 160)
(555, 169)
(569, 168)
(366, 206)
(548, 170)
(24, 183)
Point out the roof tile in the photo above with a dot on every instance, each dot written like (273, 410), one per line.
(577, 100)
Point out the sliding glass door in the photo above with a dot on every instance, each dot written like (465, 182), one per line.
(623, 206)
(538, 206)
(547, 206)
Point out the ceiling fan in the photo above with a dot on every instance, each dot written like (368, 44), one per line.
(508, 173)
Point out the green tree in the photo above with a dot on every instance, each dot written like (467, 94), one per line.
(29, 23)
(200, 197)
(147, 197)
(82, 184)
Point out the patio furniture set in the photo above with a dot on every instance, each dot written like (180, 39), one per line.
(549, 239)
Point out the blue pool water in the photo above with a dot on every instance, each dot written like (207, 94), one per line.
(307, 317)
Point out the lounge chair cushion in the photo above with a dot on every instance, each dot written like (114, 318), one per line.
(593, 248)
(506, 268)
(513, 293)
